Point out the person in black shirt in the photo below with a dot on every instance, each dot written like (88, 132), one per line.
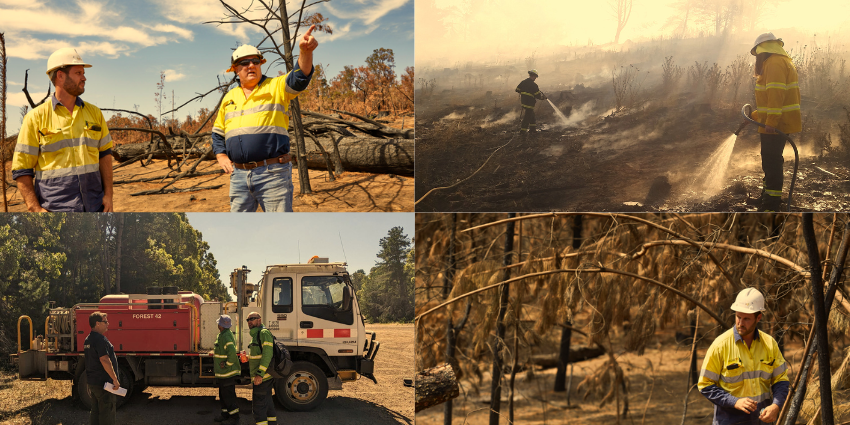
(529, 93)
(101, 366)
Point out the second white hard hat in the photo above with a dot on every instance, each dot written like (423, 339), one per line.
(749, 300)
(768, 36)
(243, 51)
(533, 71)
(67, 56)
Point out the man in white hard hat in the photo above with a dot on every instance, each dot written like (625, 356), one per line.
(250, 138)
(529, 93)
(63, 158)
(744, 374)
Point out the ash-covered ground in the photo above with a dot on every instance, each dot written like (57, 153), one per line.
(648, 155)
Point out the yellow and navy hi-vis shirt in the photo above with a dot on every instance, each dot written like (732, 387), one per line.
(255, 129)
(63, 151)
(530, 92)
(778, 96)
(731, 370)
(225, 352)
(260, 352)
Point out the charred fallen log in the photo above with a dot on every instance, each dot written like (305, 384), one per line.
(370, 155)
(434, 386)
(577, 354)
(387, 156)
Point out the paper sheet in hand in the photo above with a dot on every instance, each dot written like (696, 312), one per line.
(120, 391)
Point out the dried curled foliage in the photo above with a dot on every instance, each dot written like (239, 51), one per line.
(605, 382)
(605, 305)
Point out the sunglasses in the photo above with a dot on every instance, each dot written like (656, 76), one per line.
(252, 318)
(245, 62)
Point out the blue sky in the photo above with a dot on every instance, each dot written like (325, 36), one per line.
(130, 42)
(258, 240)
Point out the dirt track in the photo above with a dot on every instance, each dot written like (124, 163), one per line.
(644, 160)
(360, 402)
(351, 192)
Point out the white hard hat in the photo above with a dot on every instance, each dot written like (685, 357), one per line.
(533, 71)
(64, 57)
(242, 51)
(768, 36)
(749, 300)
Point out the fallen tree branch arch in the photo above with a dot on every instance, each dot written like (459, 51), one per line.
(593, 270)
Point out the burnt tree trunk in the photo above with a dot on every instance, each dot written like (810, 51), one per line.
(451, 333)
(566, 331)
(434, 386)
(496, 384)
(821, 320)
(798, 394)
(563, 358)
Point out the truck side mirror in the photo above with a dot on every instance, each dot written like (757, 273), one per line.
(346, 298)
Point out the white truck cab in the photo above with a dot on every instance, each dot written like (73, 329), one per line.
(312, 309)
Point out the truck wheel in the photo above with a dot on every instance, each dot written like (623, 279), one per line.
(82, 389)
(305, 388)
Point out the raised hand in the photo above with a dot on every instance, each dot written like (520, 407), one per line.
(308, 43)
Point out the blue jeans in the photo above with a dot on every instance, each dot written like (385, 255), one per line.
(269, 186)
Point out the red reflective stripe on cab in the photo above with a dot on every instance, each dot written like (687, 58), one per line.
(315, 333)
(342, 333)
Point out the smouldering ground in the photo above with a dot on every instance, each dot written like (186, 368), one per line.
(645, 160)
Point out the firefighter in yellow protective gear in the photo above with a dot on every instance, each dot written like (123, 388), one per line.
(529, 93)
(260, 355)
(778, 108)
(744, 374)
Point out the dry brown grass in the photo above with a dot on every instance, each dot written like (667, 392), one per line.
(28, 402)
(603, 305)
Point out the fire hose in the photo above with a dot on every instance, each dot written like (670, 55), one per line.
(746, 110)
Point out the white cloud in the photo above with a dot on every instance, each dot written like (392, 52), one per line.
(90, 18)
(27, 47)
(199, 11)
(14, 83)
(339, 32)
(20, 3)
(172, 75)
(371, 11)
(182, 32)
(20, 99)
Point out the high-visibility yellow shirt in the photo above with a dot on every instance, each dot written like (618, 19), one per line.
(62, 150)
(260, 352)
(778, 96)
(226, 363)
(255, 128)
(731, 370)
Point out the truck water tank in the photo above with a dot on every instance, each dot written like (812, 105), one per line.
(169, 290)
(154, 303)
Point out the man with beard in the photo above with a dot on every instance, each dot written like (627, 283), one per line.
(260, 354)
(63, 158)
(744, 374)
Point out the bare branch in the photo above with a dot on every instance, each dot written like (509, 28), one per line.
(588, 270)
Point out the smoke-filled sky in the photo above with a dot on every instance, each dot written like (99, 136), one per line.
(448, 31)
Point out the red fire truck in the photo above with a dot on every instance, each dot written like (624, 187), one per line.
(165, 338)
